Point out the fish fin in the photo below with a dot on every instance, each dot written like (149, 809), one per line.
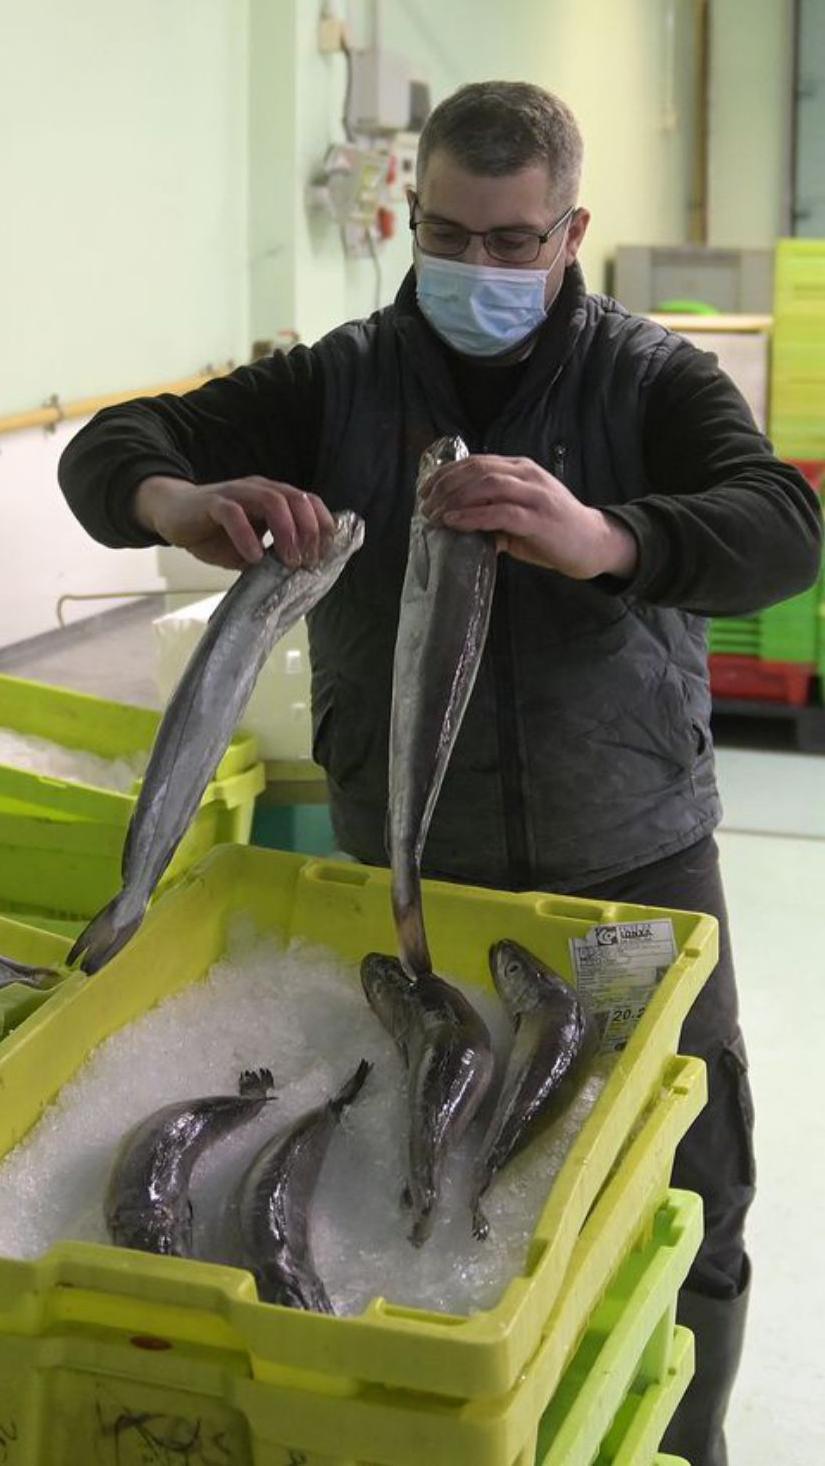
(103, 938)
(481, 1226)
(255, 1083)
(421, 1228)
(350, 1090)
(406, 1197)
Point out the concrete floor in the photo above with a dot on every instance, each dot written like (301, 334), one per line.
(773, 853)
(773, 856)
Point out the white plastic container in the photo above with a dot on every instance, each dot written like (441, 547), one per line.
(278, 712)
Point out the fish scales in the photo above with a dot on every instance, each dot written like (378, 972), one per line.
(448, 1054)
(204, 710)
(147, 1201)
(444, 618)
(555, 1037)
(273, 1200)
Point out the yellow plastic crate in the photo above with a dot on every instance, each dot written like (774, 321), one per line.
(67, 1394)
(96, 725)
(61, 841)
(620, 1391)
(347, 907)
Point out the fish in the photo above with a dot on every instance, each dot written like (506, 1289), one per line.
(273, 1199)
(444, 618)
(147, 1205)
(447, 1051)
(555, 1037)
(204, 710)
(41, 978)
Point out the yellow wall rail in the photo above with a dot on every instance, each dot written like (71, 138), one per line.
(55, 411)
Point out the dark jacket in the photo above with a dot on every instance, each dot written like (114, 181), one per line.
(586, 748)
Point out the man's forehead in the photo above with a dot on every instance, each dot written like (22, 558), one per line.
(448, 189)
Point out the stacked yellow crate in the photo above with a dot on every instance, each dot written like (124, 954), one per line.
(579, 1360)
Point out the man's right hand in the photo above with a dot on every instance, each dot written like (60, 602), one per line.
(224, 523)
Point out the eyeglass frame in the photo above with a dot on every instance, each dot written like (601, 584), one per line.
(484, 234)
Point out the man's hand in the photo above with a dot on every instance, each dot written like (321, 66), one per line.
(223, 524)
(533, 515)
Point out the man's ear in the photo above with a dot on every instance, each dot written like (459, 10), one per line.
(575, 234)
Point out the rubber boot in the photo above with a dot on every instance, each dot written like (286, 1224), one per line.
(696, 1431)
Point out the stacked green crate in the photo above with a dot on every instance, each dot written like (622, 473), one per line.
(793, 631)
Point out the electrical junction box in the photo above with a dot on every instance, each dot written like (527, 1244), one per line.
(380, 98)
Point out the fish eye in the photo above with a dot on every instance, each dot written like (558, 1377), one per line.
(513, 969)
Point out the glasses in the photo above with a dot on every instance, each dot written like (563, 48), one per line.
(509, 246)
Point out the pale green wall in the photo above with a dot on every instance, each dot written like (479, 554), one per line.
(749, 121)
(156, 155)
(607, 60)
(123, 248)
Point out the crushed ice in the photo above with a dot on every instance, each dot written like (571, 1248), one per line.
(301, 1013)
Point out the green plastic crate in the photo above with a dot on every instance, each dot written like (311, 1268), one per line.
(61, 842)
(24, 943)
(784, 633)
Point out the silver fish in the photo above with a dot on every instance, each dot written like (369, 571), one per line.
(555, 1037)
(446, 1048)
(147, 1201)
(41, 978)
(206, 706)
(273, 1200)
(445, 614)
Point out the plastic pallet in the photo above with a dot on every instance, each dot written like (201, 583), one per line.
(751, 679)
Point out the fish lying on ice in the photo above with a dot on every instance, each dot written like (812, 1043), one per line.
(206, 706)
(273, 1199)
(147, 1201)
(444, 619)
(41, 978)
(555, 1037)
(446, 1048)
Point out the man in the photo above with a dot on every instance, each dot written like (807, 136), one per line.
(631, 496)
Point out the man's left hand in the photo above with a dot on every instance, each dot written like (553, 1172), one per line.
(532, 514)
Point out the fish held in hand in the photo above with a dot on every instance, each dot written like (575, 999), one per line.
(273, 1200)
(147, 1202)
(448, 1055)
(555, 1038)
(444, 619)
(265, 601)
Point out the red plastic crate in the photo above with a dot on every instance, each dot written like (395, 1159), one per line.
(752, 679)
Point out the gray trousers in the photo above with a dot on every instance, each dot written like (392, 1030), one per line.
(716, 1157)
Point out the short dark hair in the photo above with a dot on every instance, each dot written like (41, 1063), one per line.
(499, 127)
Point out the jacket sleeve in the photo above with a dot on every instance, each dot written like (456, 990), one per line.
(725, 528)
(261, 419)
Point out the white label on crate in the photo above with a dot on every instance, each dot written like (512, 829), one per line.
(618, 967)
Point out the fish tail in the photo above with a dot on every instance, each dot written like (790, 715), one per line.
(255, 1083)
(106, 933)
(481, 1226)
(409, 921)
(423, 1225)
(351, 1089)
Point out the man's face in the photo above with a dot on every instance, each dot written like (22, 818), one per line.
(523, 200)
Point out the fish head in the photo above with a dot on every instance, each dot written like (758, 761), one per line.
(348, 535)
(522, 980)
(387, 989)
(443, 450)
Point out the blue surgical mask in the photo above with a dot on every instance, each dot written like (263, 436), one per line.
(481, 310)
